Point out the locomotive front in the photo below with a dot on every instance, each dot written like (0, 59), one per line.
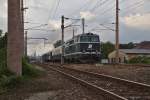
(84, 48)
(90, 47)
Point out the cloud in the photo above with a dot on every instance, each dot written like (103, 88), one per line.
(137, 21)
(54, 24)
(87, 15)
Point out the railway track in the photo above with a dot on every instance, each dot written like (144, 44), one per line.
(111, 87)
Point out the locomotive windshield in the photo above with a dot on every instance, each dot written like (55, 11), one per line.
(89, 39)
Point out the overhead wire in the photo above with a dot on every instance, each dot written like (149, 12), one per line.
(99, 5)
(55, 11)
(79, 9)
(52, 9)
(133, 6)
(120, 10)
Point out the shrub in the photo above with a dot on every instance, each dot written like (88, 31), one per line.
(29, 70)
(140, 60)
(8, 80)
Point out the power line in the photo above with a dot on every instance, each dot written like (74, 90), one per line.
(51, 12)
(99, 5)
(58, 3)
(133, 6)
(112, 8)
(82, 7)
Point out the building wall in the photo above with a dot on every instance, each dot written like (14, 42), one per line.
(123, 56)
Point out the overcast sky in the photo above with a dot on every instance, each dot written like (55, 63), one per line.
(134, 19)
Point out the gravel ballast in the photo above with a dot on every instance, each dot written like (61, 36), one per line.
(133, 73)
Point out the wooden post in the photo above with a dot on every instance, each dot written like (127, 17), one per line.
(117, 32)
(62, 27)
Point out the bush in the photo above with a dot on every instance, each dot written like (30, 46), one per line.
(140, 60)
(28, 70)
(8, 80)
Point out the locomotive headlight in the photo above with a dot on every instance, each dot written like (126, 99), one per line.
(96, 51)
(83, 51)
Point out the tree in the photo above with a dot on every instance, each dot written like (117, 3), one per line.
(3, 40)
(107, 48)
(1, 32)
(130, 45)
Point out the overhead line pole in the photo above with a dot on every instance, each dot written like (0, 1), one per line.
(62, 38)
(117, 31)
(15, 37)
(22, 26)
(22, 23)
(26, 43)
(83, 25)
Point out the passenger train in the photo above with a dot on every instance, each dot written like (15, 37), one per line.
(82, 48)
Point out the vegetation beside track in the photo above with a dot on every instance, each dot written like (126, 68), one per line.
(9, 80)
(140, 60)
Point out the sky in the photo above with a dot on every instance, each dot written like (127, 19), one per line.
(134, 17)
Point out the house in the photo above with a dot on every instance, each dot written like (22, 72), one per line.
(127, 54)
(143, 45)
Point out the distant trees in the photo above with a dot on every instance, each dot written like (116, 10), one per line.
(3, 53)
(3, 40)
(130, 45)
(106, 48)
(1, 33)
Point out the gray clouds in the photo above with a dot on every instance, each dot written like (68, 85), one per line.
(134, 18)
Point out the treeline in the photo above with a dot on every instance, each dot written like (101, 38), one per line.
(3, 52)
(3, 40)
(108, 47)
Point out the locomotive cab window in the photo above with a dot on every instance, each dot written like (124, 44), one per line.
(84, 39)
(89, 39)
(94, 39)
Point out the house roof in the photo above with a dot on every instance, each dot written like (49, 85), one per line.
(136, 51)
(143, 45)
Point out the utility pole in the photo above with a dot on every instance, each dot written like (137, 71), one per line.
(62, 42)
(22, 20)
(26, 43)
(117, 31)
(73, 32)
(83, 25)
(15, 37)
